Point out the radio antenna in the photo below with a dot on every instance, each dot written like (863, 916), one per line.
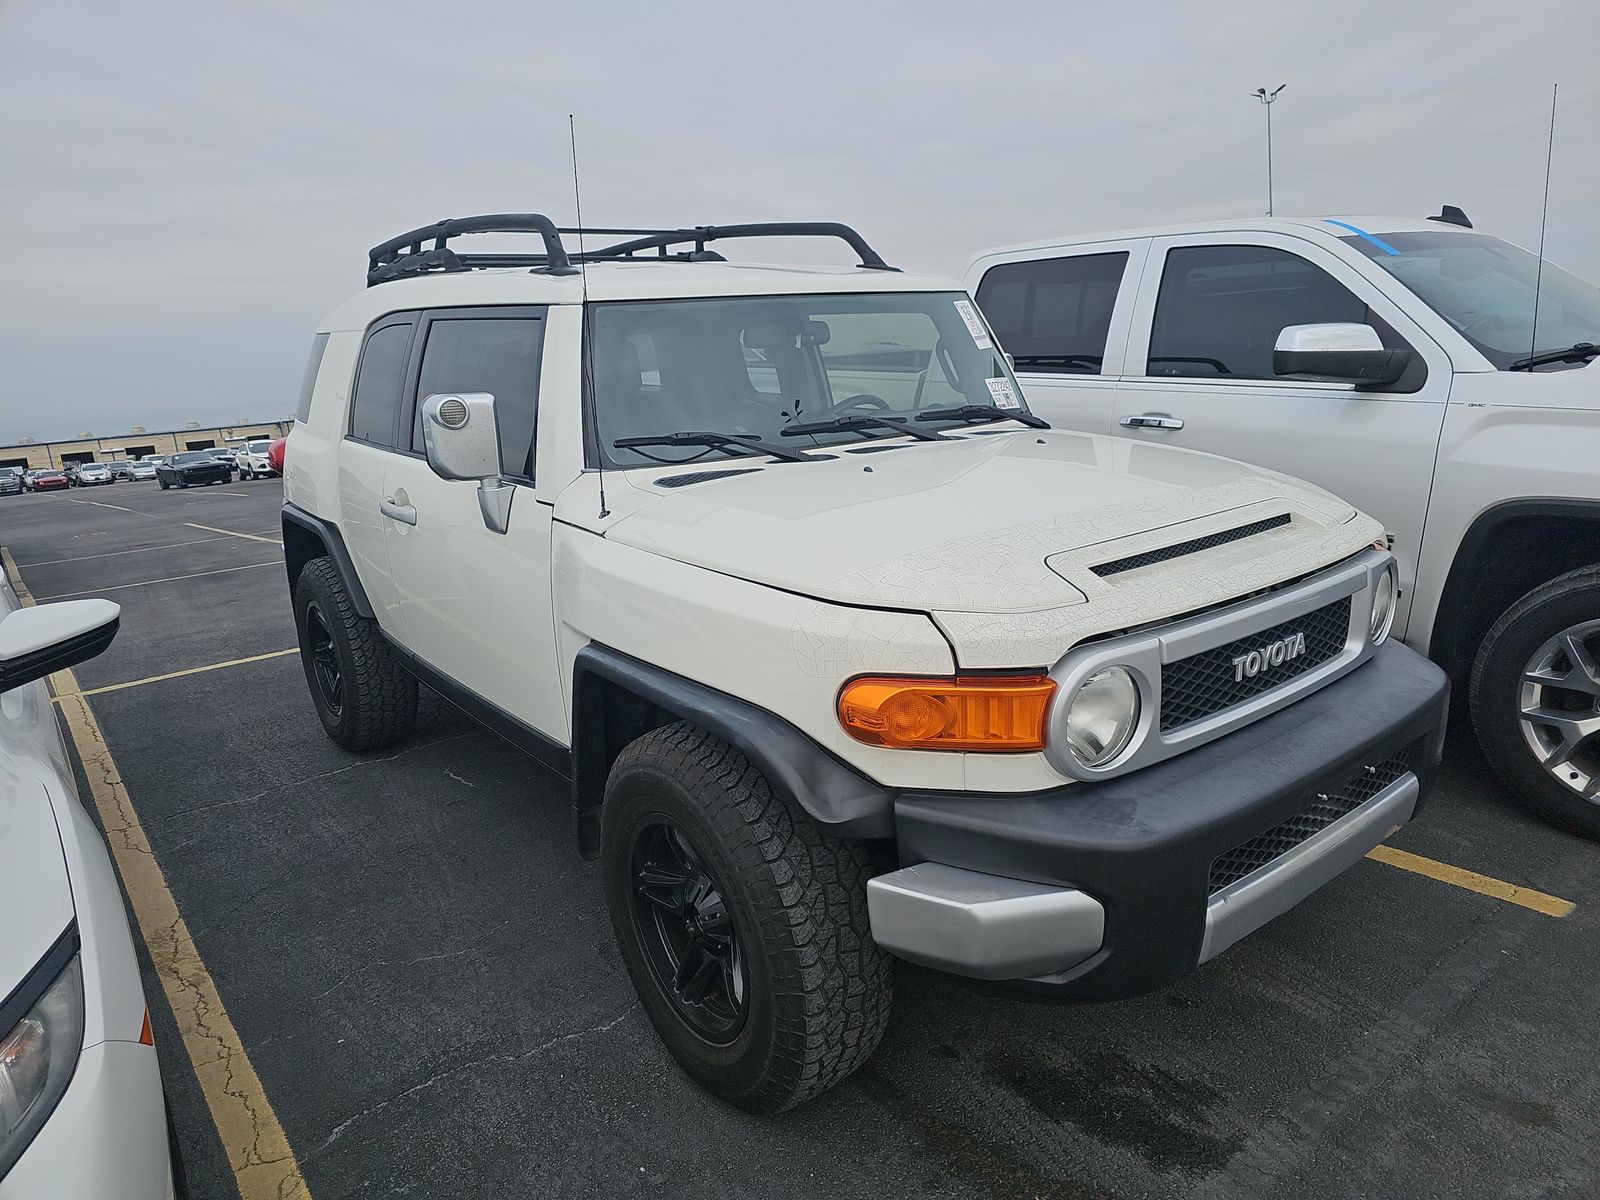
(1544, 214)
(588, 341)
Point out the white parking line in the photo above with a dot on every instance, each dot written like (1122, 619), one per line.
(117, 587)
(241, 495)
(254, 537)
(51, 562)
(118, 507)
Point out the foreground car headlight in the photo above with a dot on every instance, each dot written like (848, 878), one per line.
(37, 1058)
(1383, 596)
(1102, 715)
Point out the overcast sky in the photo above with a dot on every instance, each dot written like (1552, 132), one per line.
(188, 187)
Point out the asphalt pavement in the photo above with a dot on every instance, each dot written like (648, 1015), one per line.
(420, 968)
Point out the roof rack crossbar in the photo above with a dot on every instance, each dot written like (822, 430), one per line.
(660, 240)
(405, 255)
(408, 254)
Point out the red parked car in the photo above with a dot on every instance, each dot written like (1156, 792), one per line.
(46, 481)
(275, 454)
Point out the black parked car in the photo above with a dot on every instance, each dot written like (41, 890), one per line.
(191, 468)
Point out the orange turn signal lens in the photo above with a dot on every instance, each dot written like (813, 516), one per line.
(1002, 713)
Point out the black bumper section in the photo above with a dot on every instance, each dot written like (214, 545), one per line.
(1143, 844)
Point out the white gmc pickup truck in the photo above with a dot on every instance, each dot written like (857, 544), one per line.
(1432, 374)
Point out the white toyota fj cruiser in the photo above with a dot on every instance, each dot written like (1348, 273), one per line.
(1440, 378)
(845, 652)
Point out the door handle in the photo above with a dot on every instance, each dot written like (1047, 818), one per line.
(406, 514)
(1153, 421)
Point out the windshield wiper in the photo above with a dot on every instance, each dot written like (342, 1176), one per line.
(984, 412)
(717, 441)
(863, 421)
(1581, 352)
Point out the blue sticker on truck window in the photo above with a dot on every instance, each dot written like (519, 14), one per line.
(1362, 233)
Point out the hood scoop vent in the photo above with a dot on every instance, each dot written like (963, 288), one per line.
(678, 481)
(1212, 540)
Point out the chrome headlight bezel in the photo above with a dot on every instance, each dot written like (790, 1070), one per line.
(40, 1047)
(1385, 598)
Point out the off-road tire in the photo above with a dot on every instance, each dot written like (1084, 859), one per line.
(379, 697)
(1494, 695)
(819, 989)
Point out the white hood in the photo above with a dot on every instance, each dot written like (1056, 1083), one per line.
(1001, 524)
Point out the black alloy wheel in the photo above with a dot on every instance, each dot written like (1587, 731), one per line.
(686, 932)
(324, 661)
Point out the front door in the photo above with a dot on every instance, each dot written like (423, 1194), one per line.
(475, 605)
(1064, 319)
(1199, 374)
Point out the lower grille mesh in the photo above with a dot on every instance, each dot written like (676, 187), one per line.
(1250, 856)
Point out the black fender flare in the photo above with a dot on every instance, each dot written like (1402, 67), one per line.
(831, 792)
(297, 523)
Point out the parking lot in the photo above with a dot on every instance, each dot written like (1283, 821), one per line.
(424, 990)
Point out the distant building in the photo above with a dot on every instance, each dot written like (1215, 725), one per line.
(25, 452)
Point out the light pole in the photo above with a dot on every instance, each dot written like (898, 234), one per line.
(1266, 99)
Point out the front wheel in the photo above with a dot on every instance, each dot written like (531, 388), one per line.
(363, 696)
(1535, 696)
(742, 923)
(164, 484)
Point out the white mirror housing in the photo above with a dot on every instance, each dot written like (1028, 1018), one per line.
(51, 637)
(460, 435)
(1344, 351)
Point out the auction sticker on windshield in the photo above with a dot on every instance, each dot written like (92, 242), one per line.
(969, 315)
(1004, 397)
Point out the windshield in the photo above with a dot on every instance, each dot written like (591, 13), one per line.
(256, 447)
(1485, 288)
(194, 456)
(751, 366)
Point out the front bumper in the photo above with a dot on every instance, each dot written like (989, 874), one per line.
(1099, 891)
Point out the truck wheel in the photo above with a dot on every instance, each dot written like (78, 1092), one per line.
(1535, 696)
(742, 923)
(363, 696)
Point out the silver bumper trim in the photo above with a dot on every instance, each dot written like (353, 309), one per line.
(982, 926)
(1245, 906)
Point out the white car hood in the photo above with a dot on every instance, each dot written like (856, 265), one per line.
(999, 523)
(35, 894)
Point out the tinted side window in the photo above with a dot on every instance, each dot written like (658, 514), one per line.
(308, 381)
(1052, 315)
(1220, 309)
(498, 355)
(376, 406)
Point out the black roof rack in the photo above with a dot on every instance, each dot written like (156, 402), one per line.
(407, 255)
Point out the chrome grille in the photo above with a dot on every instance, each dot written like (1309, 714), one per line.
(1204, 684)
(1250, 856)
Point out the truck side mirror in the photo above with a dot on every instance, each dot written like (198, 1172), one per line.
(462, 441)
(51, 637)
(1343, 351)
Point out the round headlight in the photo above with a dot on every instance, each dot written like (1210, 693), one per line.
(1102, 716)
(1383, 605)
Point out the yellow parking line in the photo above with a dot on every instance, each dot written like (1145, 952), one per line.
(117, 587)
(254, 537)
(232, 662)
(1484, 885)
(257, 1148)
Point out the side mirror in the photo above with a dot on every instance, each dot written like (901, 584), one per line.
(50, 637)
(1343, 351)
(462, 441)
